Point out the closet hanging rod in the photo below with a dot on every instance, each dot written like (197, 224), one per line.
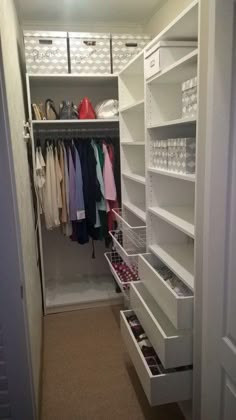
(76, 130)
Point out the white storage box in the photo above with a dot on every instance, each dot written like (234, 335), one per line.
(164, 54)
(182, 155)
(160, 154)
(125, 47)
(90, 53)
(189, 98)
(46, 52)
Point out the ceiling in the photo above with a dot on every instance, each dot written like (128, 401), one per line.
(81, 11)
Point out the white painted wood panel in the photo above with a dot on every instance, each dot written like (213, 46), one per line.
(179, 309)
(173, 347)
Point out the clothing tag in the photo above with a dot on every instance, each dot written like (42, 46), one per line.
(80, 214)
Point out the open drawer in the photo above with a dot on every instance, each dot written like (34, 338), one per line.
(179, 309)
(174, 348)
(164, 388)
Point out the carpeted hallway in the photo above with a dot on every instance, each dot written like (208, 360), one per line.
(87, 373)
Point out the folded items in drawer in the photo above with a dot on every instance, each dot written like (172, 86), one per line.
(172, 280)
(148, 351)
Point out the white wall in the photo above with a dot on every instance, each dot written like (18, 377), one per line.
(164, 15)
(11, 39)
(85, 27)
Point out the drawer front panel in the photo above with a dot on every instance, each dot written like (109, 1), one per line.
(178, 309)
(173, 348)
(160, 389)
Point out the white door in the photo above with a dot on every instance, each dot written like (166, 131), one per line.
(219, 266)
(16, 386)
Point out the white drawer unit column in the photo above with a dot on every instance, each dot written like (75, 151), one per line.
(163, 300)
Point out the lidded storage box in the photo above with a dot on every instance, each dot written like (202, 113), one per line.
(160, 154)
(46, 52)
(125, 47)
(182, 155)
(165, 53)
(189, 98)
(90, 53)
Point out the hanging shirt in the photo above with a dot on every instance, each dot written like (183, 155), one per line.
(72, 188)
(40, 176)
(79, 195)
(58, 179)
(108, 176)
(101, 156)
(63, 186)
(101, 205)
(51, 206)
(67, 186)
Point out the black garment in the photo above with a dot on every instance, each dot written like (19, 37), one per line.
(91, 191)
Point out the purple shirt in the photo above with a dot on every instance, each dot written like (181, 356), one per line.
(72, 187)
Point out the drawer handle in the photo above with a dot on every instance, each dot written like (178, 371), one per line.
(90, 43)
(152, 63)
(131, 44)
(45, 41)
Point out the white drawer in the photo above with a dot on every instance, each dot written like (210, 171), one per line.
(173, 347)
(160, 389)
(164, 54)
(178, 309)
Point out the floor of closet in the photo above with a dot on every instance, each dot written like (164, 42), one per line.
(87, 374)
(89, 290)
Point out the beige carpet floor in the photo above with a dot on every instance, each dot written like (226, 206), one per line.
(87, 373)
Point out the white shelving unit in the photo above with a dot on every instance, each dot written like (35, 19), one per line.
(169, 209)
(185, 177)
(131, 99)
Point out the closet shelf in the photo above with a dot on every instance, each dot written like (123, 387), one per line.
(179, 258)
(134, 106)
(134, 67)
(132, 143)
(72, 79)
(185, 177)
(74, 122)
(189, 121)
(135, 210)
(134, 177)
(183, 27)
(180, 71)
(180, 217)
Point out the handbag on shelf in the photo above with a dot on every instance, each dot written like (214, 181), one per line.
(68, 111)
(107, 109)
(86, 110)
(50, 110)
(38, 112)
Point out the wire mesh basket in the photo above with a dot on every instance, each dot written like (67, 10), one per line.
(121, 223)
(129, 242)
(121, 271)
